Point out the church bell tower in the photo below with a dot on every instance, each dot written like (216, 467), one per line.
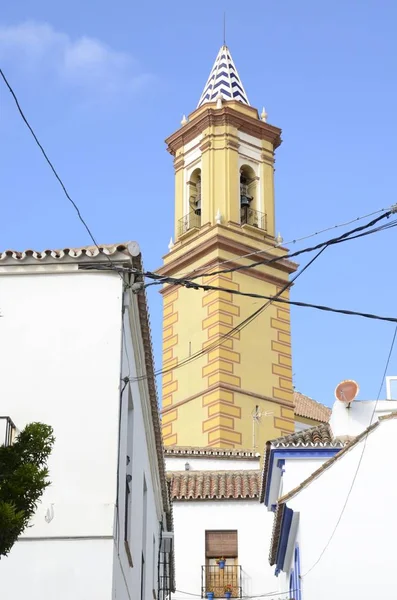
(225, 385)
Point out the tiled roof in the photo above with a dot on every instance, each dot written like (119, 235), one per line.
(309, 408)
(223, 80)
(316, 437)
(211, 452)
(321, 435)
(214, 485)
(90, 252)
(277, 522)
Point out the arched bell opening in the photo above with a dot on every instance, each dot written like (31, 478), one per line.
(195, 199)
(249, 214)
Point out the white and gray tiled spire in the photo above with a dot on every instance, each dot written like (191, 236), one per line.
(224, 80)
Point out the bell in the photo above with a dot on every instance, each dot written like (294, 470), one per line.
(197, 210)
(245, 201)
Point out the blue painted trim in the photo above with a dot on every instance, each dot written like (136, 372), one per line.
(306, 452)
(292, 584)
(284, 535)
(282, 454)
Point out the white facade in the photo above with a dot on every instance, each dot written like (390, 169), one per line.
(192, 518)
(307, 487)
(359, 558)
(68, 339)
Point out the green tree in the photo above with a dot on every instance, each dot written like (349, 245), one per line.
(23, 479)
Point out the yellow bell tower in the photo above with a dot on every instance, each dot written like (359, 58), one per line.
(223, 385)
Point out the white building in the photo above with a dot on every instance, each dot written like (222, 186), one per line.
(217, 513)
(76, 354)
(328, 540)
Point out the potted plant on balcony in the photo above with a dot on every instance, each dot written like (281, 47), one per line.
(228, 590)
(210, 594)
(221, 562)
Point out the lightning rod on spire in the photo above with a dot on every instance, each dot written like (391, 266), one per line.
(224, 28)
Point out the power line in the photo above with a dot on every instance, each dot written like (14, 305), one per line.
(51, 165)
(237, 328)
(359, 461)
(342, 238)
(293, 241)
(207, 288)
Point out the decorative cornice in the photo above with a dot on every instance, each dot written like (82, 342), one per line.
(211, 452)
(221, 242)
(230, 388)
(227, 115)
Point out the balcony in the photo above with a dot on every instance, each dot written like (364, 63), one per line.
(188, 222)
(215, 579)
(249, 216)
(7, 431)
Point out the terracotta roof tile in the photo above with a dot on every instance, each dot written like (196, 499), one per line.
(277, 522)
(315, 437)
(214, 485)
(211, 452)
(321, 435)
(310, 409)
(75, 253)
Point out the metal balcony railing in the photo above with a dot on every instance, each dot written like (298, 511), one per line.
(215, 579)
(7, 431)
(249, 216)
(189, 221)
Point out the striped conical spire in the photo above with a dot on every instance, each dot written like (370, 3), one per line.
(225, 80)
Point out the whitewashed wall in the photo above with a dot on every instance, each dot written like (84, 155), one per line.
(201, 463)
(143, 467)
(352, 421)
(254, 526)
(60, 356)
(360, 559)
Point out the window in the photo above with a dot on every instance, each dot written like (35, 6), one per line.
(128, 477)
(144, 517)
(295, 579)
(127, 509)
(221, 544)
(154, 565)
(143, 577)
(292, 585)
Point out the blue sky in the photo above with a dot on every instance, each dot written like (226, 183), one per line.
(104, 83)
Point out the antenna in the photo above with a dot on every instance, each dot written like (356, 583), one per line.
(257, 415)
(346, 391)
(224, 28)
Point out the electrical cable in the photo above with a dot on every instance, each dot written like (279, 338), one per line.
(237, 328)
(293, 241)
(359, 461)
(251, 317)
(292, 302)
(161, 279)
(51, 165)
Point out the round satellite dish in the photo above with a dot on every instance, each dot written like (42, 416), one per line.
(346, 391)
(133, 248)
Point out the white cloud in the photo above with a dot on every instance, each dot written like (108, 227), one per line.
(83, 62)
